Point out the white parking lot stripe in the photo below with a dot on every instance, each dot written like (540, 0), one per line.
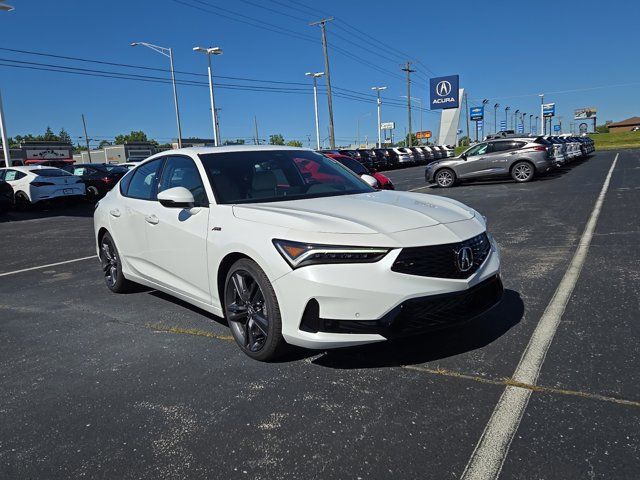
(419, 188)
(492, 448)
(47, 266)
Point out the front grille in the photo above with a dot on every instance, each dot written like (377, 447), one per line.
(441, 311)
(441, 261)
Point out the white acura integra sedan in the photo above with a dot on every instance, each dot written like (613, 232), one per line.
(293, 248)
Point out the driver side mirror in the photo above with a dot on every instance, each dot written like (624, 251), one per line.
(464, 156)
(176, 197)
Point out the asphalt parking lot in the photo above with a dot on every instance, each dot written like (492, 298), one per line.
(99, 385)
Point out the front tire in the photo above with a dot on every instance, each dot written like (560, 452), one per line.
(445, 178)
(21, 201)
(251, 308)
(522, 172)
(112, 266)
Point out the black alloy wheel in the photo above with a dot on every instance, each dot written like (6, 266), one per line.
(112, 266)
(251, 308)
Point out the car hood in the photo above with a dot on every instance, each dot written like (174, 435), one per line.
(366, 213)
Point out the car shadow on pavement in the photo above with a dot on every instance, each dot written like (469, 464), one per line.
(476, 334)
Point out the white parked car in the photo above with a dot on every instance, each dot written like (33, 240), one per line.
(290, 254)
(33, 184)
(403, 156)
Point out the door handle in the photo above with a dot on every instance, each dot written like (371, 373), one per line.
(152, 219)
(115, 212)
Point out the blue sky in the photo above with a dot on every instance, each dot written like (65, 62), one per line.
(503, 51)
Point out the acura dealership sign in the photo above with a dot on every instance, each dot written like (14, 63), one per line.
(444, 92)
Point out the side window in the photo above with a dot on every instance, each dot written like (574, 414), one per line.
(502, 146)
(481, 149)
(79, 171)
(182, 172)
(517, 145)
(144, 180)
(2, 175)
(11, 175)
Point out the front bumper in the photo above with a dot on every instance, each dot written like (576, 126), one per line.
(318, 302)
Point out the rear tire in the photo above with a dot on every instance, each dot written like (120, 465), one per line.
(92, 193)
(445, 178)
(252, 310)
(112, 266)
(522, 172)
(21, 201)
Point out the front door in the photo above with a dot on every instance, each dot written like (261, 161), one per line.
(177, 237)
(475, 164)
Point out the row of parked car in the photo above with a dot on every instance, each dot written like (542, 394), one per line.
(23, 186)
(508, 155)
(398, 157)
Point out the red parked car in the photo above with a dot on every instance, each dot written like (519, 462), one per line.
(384, 183)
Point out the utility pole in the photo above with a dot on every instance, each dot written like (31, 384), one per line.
(3, 134)
(408, 69)
(255, 126)
(322, 23)
(86, 138)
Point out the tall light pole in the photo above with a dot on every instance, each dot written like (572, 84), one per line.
(542, 129)
(214, 115)
(531, 124)
(506, 116)
(167, 52)
(379, 103)
(322, 23)
(522, 115)
(484, 104)
(315, 77)
(495, 118)
(3, 128)
(514, 118)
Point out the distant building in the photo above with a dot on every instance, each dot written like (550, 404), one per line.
(128, 152)
(625, 125)
(41, 153)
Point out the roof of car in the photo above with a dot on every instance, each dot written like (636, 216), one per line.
(30, 168)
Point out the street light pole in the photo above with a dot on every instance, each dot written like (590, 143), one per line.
(514, 119)
(542, 125)
(495, 118)
(167, 52)
(506, 116)
(315, 77)
(531, 124)
(214, 114)
(379, 103)
(3, 127)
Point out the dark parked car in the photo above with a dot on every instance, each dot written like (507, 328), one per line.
(384, 183)
(6, 197)
(98, 178)
(380, 161)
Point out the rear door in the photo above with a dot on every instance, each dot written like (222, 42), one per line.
(499, 159)
(177, 237)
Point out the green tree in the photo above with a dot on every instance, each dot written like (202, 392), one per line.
(104, 143)
(294, 143)
(464, 141)
(602, 129)
(49, 136)
(64, 136)
(276, 139)
(133, 136)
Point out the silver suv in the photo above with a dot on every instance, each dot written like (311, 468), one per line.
(519, 158)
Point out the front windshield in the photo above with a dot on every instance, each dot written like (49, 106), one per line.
(278, 175)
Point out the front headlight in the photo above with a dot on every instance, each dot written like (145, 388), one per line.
(300, 254)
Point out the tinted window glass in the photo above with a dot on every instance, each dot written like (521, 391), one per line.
(276, 175)
(480, 149)
(182, 172)
(115, 169)
(50, 172)
(124, 183)
(143, 183)
(12, 175)
(502, 146)
(353, 165)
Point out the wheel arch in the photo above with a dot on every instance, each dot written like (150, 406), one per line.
(445, 167)
(101, 233)
(523, 160)
(223, 268)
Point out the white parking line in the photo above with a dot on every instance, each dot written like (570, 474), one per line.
(419, 188)
(47, 266)
(492, 448)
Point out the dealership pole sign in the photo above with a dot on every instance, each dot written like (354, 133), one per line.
(476, 113)
(444, 92)
(549, 109)
(387, 125)
(503, 125)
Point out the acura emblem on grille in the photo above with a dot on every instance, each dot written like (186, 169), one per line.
(465, 259)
